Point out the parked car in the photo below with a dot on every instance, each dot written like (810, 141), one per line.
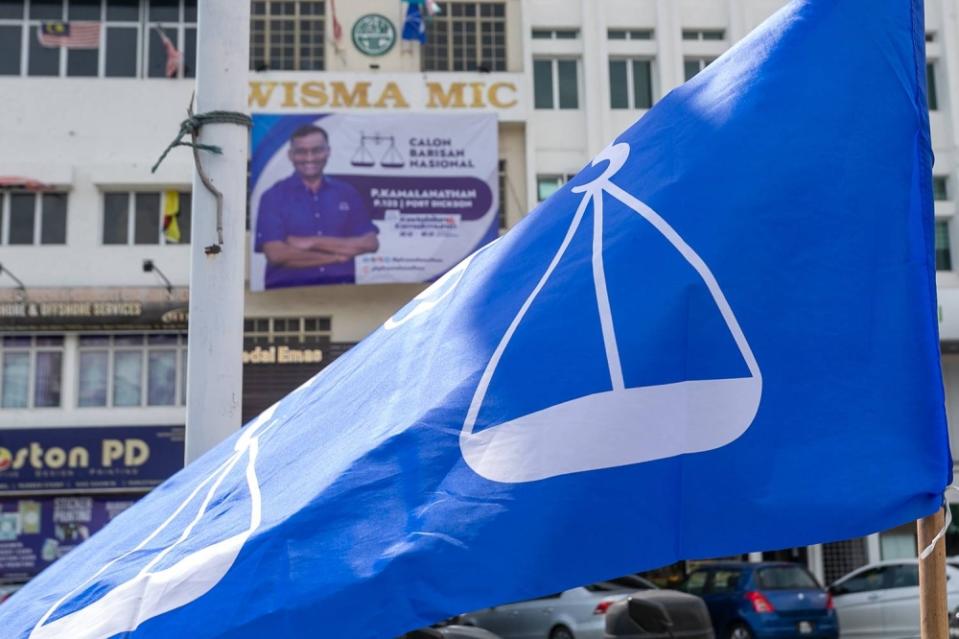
(451, 632)
(659, 614)
(7, 590)
(765, 599)
(578, 613)
(882, 599)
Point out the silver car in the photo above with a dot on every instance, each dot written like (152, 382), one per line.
(881, 600)
(578, 613)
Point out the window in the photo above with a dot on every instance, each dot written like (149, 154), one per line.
(261, 331)
(786, 578)
(546, 185)
(696, 583)
(704, 34)
(866, 581)
(629, 34)
(903, 576)
(31, 369)
(943, 246)
(132, 370)
(940, 188)
(555, 34)
(466, 36)
(555, 83)
(932, 99)
(288, 35)
(630, 84)
(725, 581)
(127, 31)
(137, 218)
(692, 66)
(33, 218)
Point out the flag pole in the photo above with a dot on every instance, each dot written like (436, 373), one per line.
(214, 360)
(933, 611)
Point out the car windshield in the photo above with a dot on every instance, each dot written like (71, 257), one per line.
(630, 582)
(786, 578)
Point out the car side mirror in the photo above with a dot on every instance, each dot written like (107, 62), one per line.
(651, 616)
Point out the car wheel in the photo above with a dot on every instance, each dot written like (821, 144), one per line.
(561, 632)
(740, 631)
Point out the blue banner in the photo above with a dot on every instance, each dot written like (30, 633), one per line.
(719, 337)
(88, 459)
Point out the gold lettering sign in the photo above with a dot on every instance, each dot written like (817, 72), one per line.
(282, 355)
(364, 95)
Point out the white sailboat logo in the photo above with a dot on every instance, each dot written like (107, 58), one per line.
(155, 590)
(623, 425)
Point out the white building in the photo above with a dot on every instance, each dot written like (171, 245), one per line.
(101, 342)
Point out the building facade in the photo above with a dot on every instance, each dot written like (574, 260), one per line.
(93, 294)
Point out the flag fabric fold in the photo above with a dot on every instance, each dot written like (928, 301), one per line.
(719, 337)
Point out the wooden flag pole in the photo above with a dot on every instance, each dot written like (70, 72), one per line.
(933, 612)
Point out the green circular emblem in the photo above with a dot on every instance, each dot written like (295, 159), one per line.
(374, 34)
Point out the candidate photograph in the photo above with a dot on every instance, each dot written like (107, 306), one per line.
(309, 225)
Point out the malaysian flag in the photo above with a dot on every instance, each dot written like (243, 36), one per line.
(72, 35)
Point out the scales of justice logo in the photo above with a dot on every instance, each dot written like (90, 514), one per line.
(616, 427)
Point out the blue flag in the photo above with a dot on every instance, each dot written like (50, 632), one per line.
(720, 336)
(413, 27)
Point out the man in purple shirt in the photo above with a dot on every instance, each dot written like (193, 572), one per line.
(310, 226)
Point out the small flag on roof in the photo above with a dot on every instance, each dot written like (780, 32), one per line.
(643, 370)
(69, 35)
(413, 27)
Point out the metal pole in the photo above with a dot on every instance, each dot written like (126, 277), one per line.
(933, 620)
(214, 366)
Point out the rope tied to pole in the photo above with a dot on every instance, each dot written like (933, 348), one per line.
(948, 520)
(191, 127)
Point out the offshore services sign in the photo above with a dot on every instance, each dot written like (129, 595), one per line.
(88, 460)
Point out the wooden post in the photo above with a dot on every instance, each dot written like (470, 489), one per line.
(933, 612)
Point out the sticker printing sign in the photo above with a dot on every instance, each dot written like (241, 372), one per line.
(344, 199)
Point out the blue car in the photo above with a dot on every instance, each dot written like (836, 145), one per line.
(763, 600)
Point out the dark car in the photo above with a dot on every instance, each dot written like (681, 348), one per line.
(766, 599)
(659, 614)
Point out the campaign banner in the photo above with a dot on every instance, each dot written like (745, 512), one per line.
(36, 531)
(86, 460)
(366, 199)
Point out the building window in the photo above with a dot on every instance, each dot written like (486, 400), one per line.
(943, 252)
(466, 36)
(630, 84)
(546, 185)
(132, 370)
(629, 34)
(556, 83)
(940, 188)
(33, 218)
(31, 369)
(692, 66)
(704, 34)
(555, 34)
(932, 99)
(126, 34)
(263, 331)
(288, 35)
(138, 218)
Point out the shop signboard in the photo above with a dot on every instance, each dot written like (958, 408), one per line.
(88, 460)
(36, 531)
(346, 198)
(80, 315)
